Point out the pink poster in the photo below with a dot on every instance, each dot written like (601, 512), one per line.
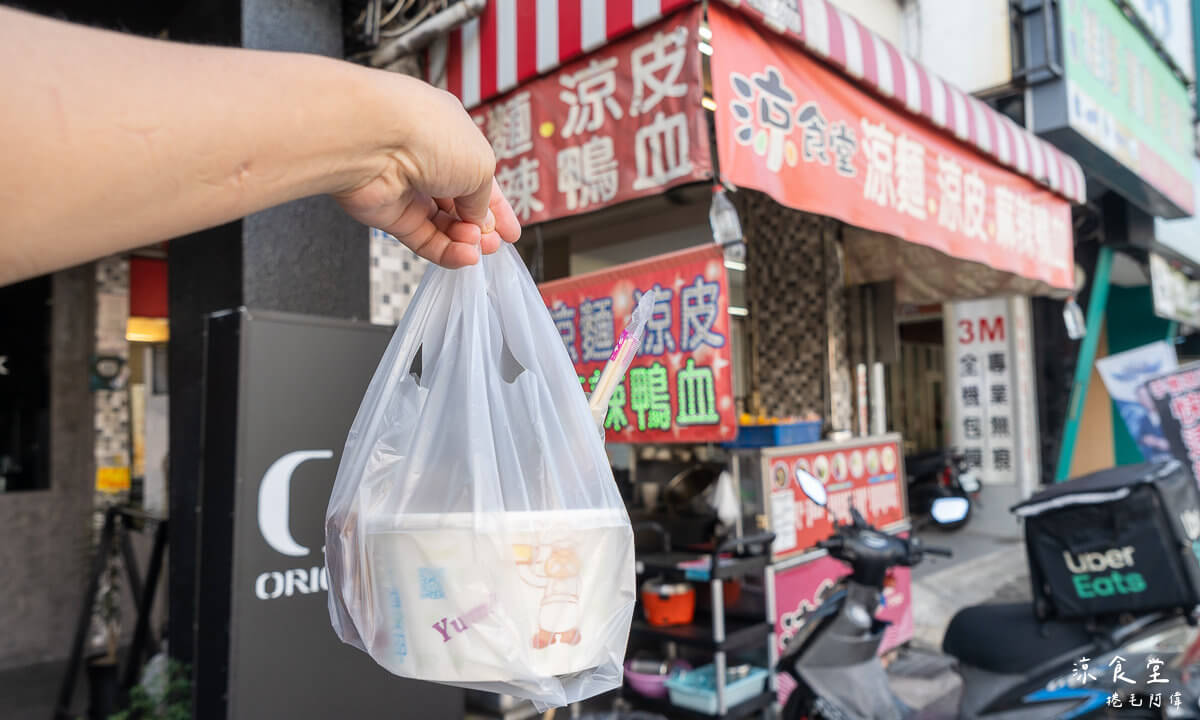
(801, 590)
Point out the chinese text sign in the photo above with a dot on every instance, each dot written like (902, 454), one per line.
(984, 418)
(1176, 398)
(790, 127)
(621, 123)
(868, 477)
(1123, 98)
(680, 385)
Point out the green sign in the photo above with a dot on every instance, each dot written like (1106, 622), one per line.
(1123, 98)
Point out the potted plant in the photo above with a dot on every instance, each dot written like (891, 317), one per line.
(161, 698)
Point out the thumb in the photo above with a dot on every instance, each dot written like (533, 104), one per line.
(473, 207)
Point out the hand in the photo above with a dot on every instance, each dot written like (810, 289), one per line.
(434, 187)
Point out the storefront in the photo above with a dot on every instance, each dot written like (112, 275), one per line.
(861, 183)
(1120, 104)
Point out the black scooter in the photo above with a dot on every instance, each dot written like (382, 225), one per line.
(1013, 667)
(938, 474)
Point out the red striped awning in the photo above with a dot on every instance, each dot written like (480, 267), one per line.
(837, 38)
(517, 40)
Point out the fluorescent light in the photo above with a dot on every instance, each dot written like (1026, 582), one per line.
(705, 32)
(705, 48)
(739, 311)
(735, 265)
(150, 330)
(708, 103)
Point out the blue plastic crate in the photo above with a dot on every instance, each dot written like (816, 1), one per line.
(757, 436)
(697, 689)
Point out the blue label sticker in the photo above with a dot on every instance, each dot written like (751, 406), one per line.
(431, 583)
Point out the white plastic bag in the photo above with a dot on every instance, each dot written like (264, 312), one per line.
(475, 535)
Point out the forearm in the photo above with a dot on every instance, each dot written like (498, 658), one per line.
(123, 127)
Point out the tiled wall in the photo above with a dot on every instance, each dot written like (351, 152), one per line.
(798, 313)
(395, 273)
(111, 407)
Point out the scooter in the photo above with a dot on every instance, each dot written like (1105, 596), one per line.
(1013, 667)
(938, 474)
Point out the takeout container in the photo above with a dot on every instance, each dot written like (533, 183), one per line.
(462, 595)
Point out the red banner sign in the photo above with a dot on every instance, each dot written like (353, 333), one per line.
(680, 386)
(869, 476)
(621, 123)
(801, 590)
(791, 127)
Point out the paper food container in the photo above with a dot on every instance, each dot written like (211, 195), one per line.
(482, 597)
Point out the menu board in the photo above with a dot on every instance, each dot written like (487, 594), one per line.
(867, 476)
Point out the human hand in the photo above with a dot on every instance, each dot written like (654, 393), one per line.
(432, 184)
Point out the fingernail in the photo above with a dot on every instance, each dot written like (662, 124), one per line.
(489, 222)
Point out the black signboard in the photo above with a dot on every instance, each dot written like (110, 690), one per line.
(1176, 399)
(280, 394)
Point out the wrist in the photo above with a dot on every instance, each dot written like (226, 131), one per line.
(385, 118)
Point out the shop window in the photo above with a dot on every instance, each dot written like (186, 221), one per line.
(25, 385)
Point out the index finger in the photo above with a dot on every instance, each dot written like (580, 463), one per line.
(473, 207)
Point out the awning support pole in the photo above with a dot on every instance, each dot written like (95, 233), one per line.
(1083, 364)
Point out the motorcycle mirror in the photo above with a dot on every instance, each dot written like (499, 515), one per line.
(949, 510)
(812, 487)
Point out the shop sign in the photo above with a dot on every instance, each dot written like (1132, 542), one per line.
(1176, 398)
(1171, 23)
(680, 386)
(269, 577)
(1126, 102)
(622, 123)
(867, 477)
(790, 127)
(802, 589)
(1176, 296)
(982, 396)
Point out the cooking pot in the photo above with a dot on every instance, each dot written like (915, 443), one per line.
(668, 603)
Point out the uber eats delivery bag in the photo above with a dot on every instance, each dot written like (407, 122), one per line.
(1117, 541)
(475, 535)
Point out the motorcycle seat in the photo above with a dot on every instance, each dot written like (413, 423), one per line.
(916, 466)
(1007, 638)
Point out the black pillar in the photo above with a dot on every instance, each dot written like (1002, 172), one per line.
(306, 257)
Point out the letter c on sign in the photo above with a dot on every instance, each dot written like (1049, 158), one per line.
(274, 495)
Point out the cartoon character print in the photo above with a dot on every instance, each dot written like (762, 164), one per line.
(554, 565)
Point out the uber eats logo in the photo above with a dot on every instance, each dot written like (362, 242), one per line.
(1099, 574)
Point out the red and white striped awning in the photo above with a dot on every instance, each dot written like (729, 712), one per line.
(839, 39)
(516, 40)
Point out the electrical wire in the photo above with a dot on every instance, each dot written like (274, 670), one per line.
(412, 23)
(399, 7)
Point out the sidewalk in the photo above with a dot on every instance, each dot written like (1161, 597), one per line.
(29, 693)
(984, 569)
